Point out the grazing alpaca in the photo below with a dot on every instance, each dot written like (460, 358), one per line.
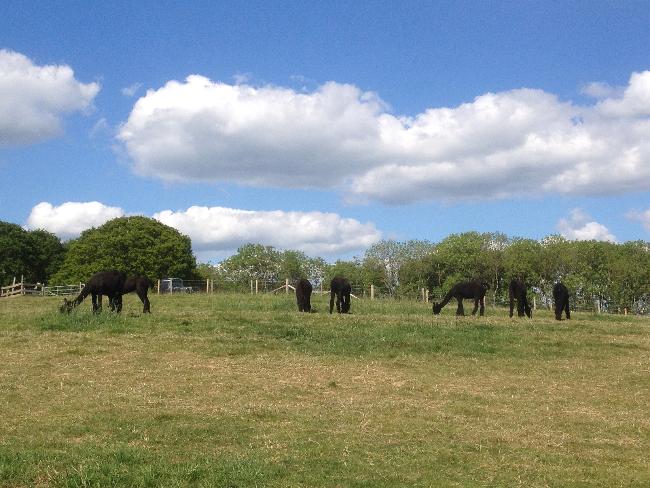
(139, 284)
(340, 287)
(109, 283)
(561, 299)
(475, 290)
(517, 291)
(303, 295)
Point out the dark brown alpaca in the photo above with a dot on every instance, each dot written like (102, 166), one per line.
(475, 290)
(303, 295)
(140, 285)
(561, 299)
(113, 284)
(517, 291)
(109, 283)
(341, 289)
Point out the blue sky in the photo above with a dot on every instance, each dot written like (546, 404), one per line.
(325, 126)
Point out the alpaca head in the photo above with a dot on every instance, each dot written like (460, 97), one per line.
(436, 309)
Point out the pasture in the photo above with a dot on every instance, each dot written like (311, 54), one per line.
(242, 390)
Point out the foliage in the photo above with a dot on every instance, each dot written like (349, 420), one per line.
(136, 245)
(36, 254)
(390, 256)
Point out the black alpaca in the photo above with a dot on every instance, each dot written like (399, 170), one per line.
(340, 288)
(475, 290)
(303, 295)
(109, 283)
(140, 285)
(561, 299)
(517, 291)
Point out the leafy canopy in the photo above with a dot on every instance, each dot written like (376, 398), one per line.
(135, 245)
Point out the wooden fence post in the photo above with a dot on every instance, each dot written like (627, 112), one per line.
(256, 287)
(372, 291)
(534, 303)
(158, 287)
(286, 285)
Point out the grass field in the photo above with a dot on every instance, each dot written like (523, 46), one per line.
(240, 390)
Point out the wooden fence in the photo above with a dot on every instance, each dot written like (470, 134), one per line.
(22, 288)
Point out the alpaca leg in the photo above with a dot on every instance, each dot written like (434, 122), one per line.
(331, 302)
(526, 307)
(97, 303)
(482, 311)
(567, 310)
(338, 302)
(460, 310)
(512, 305)
(476, 300)
(142, 295)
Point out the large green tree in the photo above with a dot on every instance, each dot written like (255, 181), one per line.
(135, 245)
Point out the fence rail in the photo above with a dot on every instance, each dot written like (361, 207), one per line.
(372, 292)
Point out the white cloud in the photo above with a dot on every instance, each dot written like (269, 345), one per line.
(500, 145)
(34, 98)
(204, 131)
(71, 218)
(131, 90)
(219, 229)
(641, 216)
(580, 227)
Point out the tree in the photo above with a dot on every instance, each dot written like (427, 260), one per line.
(135, 245)
(48, 255)
(391, 256)
(252, 262)
(16, 252)
(35, 255)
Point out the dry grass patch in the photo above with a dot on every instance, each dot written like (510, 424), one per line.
(241, 391)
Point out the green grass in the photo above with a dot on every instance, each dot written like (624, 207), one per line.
(240, 390)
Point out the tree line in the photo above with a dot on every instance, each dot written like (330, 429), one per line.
(610, 274)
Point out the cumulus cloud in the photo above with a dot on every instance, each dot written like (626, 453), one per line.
(640, 216)
(34, 98)
(200, 130)
(71, 218)
(580, 227)
(219, 229)
(499, 145)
